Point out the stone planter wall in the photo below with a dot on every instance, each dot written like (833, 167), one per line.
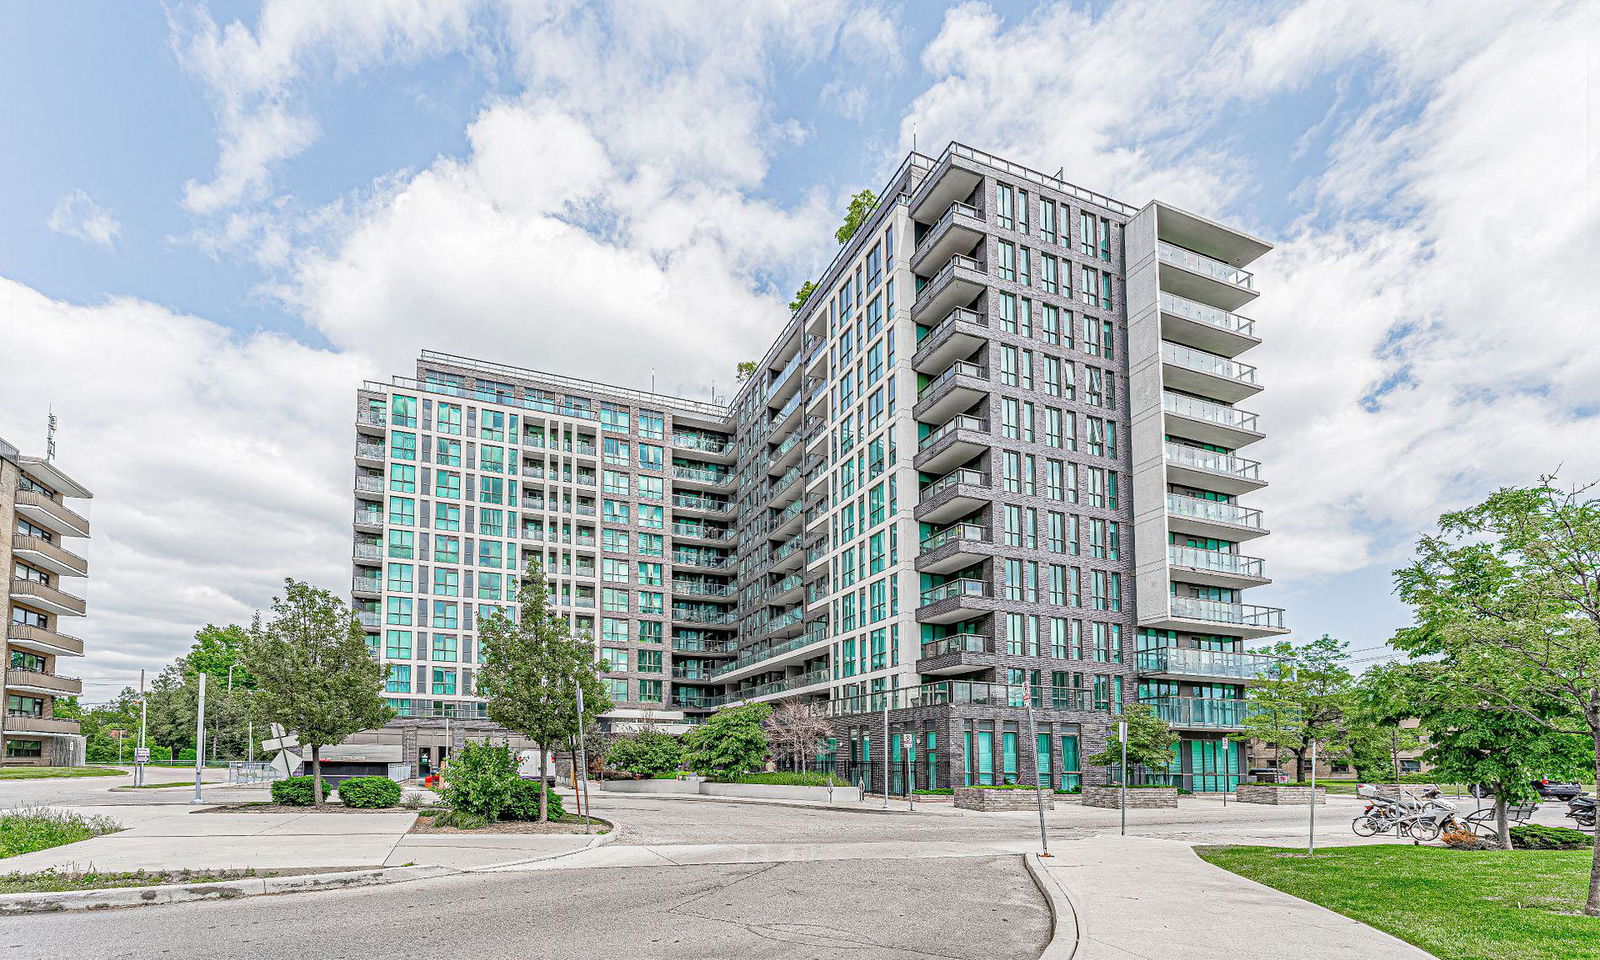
(1394, 791)
(1139, 798)
(992, 801)
(1278, 795)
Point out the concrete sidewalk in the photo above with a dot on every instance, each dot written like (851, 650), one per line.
(1136, 898)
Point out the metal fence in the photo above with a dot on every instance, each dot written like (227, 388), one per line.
(250, 771)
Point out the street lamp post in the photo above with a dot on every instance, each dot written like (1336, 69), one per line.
(1122, 734)
(1038, 774)
(583, 762)
(200, 740)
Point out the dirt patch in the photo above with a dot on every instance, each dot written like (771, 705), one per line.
(424, 824)
(264, 806)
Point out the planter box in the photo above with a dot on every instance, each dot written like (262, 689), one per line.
(995, 801)
(1277, 794)
(705, 788)
(1139, 798)
(1394, 791)
(648, 786)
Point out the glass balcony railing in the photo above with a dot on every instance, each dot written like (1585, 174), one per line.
(960, 368)
(950, 213)
(1203, 313)
(370, 451)
(961, 531)
(951, 479)
(1204, 265)
(694, 441)
(1237, 614)
(955, 588)
(688, 501)
(962, 422)
(1200, 509)
(1208, 363)
(1210, 411)
(1183, 661)
(1215, 561)
(963, 691)
(1213, 462)
(1202, 712)
(702, 474)
(369, 484)
(956, 643)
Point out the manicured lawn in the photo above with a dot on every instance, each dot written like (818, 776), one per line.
(44, 773)
(26, 830)
(1491, 905)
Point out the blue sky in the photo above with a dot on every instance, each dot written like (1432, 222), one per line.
(219, 216)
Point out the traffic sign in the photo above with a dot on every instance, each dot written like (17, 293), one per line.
(141, 754)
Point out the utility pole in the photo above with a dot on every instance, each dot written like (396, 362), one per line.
(583, 761)
(138, 764)
(1122, 734)
(200, 740)
(1038, 773)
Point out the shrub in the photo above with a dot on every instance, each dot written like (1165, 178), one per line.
(524, 803)
(479, 779)
(369, 793)
(1535, 837)
(934, 792)
(298, 791)
(646, 754)
(729, 743)
(789, 778)
(161, 753)
(187, 753)
(460, 820)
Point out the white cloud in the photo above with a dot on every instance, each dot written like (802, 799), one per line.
(215, 460)
(77, 216)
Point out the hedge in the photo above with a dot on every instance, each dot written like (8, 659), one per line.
(1535, 837)
(369, 793)
(298, 791)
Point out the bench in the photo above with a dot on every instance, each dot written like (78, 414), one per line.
(1482, 821)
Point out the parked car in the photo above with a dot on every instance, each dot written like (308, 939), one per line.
(1267, 775)
(1551, 790)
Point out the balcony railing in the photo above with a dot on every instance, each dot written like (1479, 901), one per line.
(1185, 661)
(961, 531)
(1199, 711)
(371, 418)
(366, 585)
(1209, 363)
(1213, 462)
(42, 594)
(961, 422)
(1210, 411)
(369, 484)
(944, 220)
(1202, 264)
(688, 501)
(691, 441)
(1199, 509)
(960, 368)
(1204, 313)
(371, 451)
(962, 691)
(1215, 561)
(701, 532)
(964, 475)
(369, 551)
(702, 589)
(955, 643)
(369, 619)
(958, 315)
(712, 615)
(959, 260)
(1238, 614)
(702, 474)
(707, 560)
(955, 588)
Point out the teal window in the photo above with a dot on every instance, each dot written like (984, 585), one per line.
(492, 425)
(402, 544)
(1008, 744)
(444, 681)
(447, 483)
(402, 446)
(403, 411)
(650, 574)
(489, 586)
(446, 516)
(614, 600)
(402, 478)
(399, 679)
(397, 644)
(649, 631)
(613, 630)
(650, 691)
(616, 688)
(444, 647)
(445, 615)
(491, 490)
(446, 583)
(398, 611)
(650, 602)
(650, 544)
(651, 488)
(448, 453)
(446, 549)
(649, 661)
(449, 419)
(400, 577)
(649, 456)
(403, 510)
(492, 459)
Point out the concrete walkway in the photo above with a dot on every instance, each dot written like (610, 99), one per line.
(1136, 898)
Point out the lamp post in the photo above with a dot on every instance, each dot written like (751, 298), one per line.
(1038, 774)
(200, 740)
(1122, 735)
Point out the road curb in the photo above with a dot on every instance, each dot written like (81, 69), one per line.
(14, 904)
(1066, 928)
(598, 840)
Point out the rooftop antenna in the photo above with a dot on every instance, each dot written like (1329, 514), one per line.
(913, 136)
(50, 435)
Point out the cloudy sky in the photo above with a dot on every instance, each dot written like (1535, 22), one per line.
(217, 218)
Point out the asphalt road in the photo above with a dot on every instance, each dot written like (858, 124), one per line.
(968, 907)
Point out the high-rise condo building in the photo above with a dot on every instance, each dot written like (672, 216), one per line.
(993, 458)
(36, 551)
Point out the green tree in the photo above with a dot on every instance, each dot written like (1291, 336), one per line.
(1383, 708)
(1150, 741)
(532, 668)
(646, 753)
(745, 370)
(1507, 592)
(861, 205)
(731, 742)
(801, 296)
(1306, 697)
(313, 672)
(216, 650)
